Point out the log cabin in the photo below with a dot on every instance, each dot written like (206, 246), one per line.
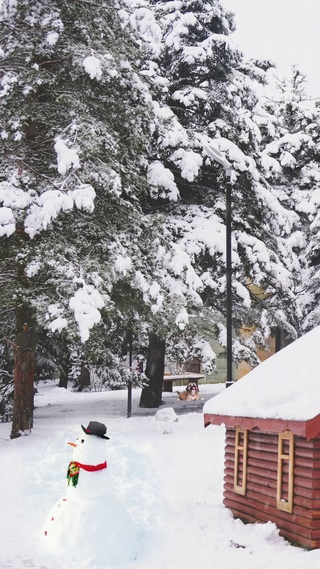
(272, 444)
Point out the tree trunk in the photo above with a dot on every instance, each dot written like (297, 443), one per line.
(65, 368)
(24, 371)
(151, 395)
(84, 376)
(63, 377)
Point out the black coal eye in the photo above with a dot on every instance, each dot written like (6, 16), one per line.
(82, 440)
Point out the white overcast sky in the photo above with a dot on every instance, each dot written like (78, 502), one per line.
(284, 31)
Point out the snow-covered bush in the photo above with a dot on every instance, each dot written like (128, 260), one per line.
(6, 401)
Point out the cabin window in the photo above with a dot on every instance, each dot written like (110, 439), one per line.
(240, 463)
(285, 471)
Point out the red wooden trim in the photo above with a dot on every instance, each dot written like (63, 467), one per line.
(313, 427)
(307, 429)
(266, 425)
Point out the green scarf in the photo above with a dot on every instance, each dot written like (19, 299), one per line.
(73, 473)
(74, 470)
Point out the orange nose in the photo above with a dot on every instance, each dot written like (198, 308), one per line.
(72, 444)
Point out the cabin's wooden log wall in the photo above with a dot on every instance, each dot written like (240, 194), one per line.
(302, 526)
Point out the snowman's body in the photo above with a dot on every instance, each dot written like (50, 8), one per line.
(90, 523)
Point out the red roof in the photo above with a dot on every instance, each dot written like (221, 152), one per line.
(307, 429)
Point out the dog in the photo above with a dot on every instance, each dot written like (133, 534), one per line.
(191, 393)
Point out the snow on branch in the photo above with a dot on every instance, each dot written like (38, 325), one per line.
(270, 165)
(173, 39)
(189, 163)
(122, 264)
(171, 131)
(45, 210)
(83, 197)
(152, 294)
(7, 222)
(52, 38)
(86, 304)
(206, 354)
(66, 157)
(48, 206)
(292, 141)
(97, 68)
(162, 182)
(58, 322)
(13, 197)
(92, 66)
(144, 22)
(182, 319)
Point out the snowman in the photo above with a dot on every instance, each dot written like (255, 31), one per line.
(89, 523)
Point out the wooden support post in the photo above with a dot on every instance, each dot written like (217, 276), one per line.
(285, 458)
(240, 461)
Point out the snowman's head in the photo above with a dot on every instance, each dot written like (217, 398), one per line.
(90, 448)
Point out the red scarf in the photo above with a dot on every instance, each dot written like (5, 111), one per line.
(90, 468)
(74, 469)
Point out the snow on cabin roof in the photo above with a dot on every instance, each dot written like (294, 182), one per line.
(285, 386)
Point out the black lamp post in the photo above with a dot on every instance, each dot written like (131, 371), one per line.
(218, 157)
(129, 400)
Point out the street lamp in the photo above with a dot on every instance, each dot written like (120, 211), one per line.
(218, 157)
(129, 400)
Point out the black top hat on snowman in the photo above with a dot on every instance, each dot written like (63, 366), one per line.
(96, 428)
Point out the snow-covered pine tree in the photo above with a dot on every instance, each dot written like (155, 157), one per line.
(207, 93)
(75, 119)
(76, 130)
(290, 159)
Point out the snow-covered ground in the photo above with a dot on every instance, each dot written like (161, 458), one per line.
(168, 475)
